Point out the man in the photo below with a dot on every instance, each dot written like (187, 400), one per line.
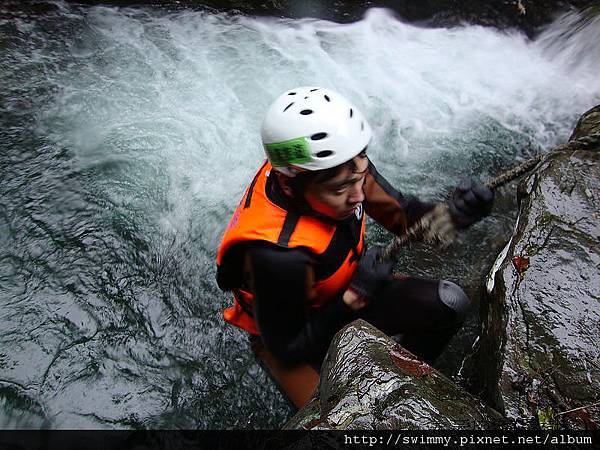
(294, 255)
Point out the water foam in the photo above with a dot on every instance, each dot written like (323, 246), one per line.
(182, 95)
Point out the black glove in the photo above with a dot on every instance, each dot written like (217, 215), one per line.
(371, 273)
(470, 202)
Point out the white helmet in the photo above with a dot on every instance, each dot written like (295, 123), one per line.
(311, 128)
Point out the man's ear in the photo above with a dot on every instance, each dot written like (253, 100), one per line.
(285, 184)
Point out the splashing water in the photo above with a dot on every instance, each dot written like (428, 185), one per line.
(128, 136)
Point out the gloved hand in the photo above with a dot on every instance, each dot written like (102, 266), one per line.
(371, 273)
(470, 202)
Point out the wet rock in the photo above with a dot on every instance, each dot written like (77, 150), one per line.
(588, 124)
(368, 381)
(538, 357)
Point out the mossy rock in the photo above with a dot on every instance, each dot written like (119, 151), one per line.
(538, 352)
(368, 381)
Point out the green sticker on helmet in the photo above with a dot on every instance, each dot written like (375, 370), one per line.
(294, 151)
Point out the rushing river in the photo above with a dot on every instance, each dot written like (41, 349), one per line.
(127, 138)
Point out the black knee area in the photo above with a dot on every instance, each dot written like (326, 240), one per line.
(451, 295)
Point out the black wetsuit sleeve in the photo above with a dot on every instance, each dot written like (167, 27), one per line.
(289, 330)
(388, 206)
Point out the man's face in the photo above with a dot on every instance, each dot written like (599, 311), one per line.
(338, 197)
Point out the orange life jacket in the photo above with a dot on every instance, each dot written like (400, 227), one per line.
(257, 218)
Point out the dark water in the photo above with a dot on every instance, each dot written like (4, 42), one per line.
(127, 137)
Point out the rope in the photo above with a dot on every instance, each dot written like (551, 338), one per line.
(509, 175)
(441, 209)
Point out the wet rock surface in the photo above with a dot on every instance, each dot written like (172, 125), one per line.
(538, 359)
(526, 15)
(368, 381)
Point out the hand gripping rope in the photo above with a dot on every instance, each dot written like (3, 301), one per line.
(437, 226)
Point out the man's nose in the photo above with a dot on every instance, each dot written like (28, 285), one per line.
(356, 195)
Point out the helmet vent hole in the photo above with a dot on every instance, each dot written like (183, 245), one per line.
(351, 113)
(288, 107)
(362, 126)
(306, 112)
(324, 153)
(318, 136)
(313, 90)
(292, 93)
(327, 98)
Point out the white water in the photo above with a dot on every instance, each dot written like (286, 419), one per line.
(181, 97)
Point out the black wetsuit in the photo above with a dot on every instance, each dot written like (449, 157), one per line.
(407, 306)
